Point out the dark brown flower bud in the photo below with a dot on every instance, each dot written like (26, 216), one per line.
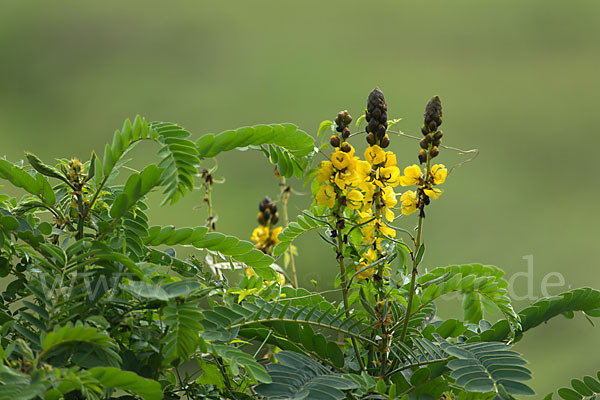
(424, 130)
(433, 113)
(422, 156)
(334, 141)
(274, 218)
(265, 204)
(261, 219)
(346, 148)
(434, 152)
(381, 131)
(438, 135)
(346, 133)
(385, 141)
(371, 139)
(372, 126)
(343, 119)
(424, 143)
(376, 110)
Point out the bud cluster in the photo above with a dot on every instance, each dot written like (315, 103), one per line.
(265, 236)
(267, 212)
(342, 121)
(432, 136)
(376, 117)
(75, 174)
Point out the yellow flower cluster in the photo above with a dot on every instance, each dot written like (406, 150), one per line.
(345, 176)
(356, 183)
(265, 237)
(410, 200)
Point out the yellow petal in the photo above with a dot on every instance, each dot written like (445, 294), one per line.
(325, 171)
(340, 160)
(439, 173)
(433, 194)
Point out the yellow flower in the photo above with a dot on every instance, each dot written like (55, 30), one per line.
(325, 171)
(361, 168)
(274, 233)
(368, 232)
(326, 196)
(369, 257)
(375, 155)
(340, 160)
(389, 202)
(354, 199)
(439, 173)
(386, 230)
(412, 175)
(280, 278)
(433, 193)
(343, 179)
(390, 159)
(389, 197)
(260, 235)
(408, 202)
(389, 176)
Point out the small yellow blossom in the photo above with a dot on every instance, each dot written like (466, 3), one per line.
(412, 176)
(326, 196)
(386, 230)
(280, 278)
(325, 171)
(354, 199)
(375, 155)
(362, 168)
(439, 173)
(408, 202)
(389, 202)
(346, 178)
(274, 233)
(390, 159)
(389, 176)
(340, 160)
(260, 234)
(433, 193)
(369, 257)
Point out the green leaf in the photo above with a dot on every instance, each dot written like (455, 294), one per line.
(478, 283)
(237, 358)
(42, 168)
(179, 159)
(211, 375)
(586, 300)
(147, 290)
(304, 223)
(482, 366)
(296, 376)
(147, 389)
(119, 206)
(76, 333)
(184, 325)
(588, 387)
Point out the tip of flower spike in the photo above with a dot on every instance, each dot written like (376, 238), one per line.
(433, 113)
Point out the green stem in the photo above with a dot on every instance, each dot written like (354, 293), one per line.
(81, 214)
(344, 283)
(285, 196)
(413, 279)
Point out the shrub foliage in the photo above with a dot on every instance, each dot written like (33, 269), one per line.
(98, 303)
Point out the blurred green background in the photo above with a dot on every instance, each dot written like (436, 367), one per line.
(519, 81)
